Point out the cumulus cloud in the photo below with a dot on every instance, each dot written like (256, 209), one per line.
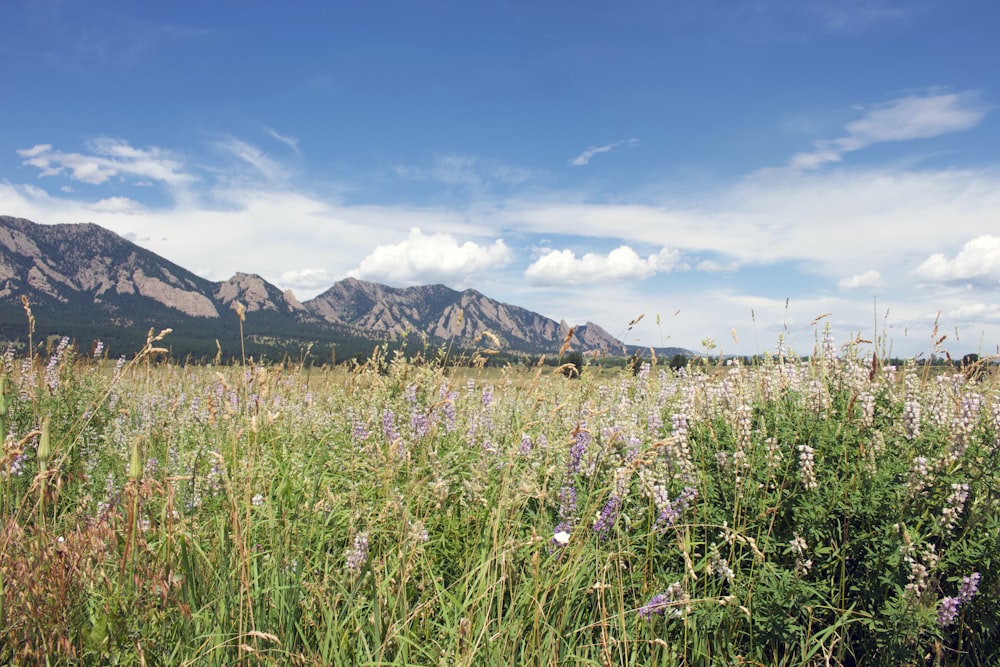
(868, 279)
(108, 158)
(586, 156)
(307, 279)
(911, 117)
(976, 312)
(977, 261)
(432, 258)
(561, 267)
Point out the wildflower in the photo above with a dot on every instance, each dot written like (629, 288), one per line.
(560, 538)
(418, 532)
(388, 425)
(567, 503)
(257, 500)
(356, 555)
(954, 505)
(660, 603)
(920, 476)
(950, 606)
(609, 515)
(948, 611)
(807, 472)
(911, 419)
(578, 450)
(799, 548)
(969, 588)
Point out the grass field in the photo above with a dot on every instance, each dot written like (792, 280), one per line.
(829, 511)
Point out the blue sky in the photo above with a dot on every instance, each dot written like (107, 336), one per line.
(730, 170)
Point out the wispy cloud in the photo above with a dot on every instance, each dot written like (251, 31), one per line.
(254, 156)
(291, 142)
(563, 267)
(108, 158)
(468, 171)
(586, 156)
(906, 118)
(432, 258)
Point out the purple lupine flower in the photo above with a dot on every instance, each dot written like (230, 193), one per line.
(578, 449)
(388, 425)
(660, 603)
(671, 511)
(948, 611)
(98, 350)
(609, 515)
(356, 555)
(420, 424)
(949, 608)
(359, 431)
(969, 587)
(657, 606)
(525, 448)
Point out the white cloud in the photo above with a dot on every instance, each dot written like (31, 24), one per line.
(713, 266)
(115, 205)
(561, 267)
(432, 258)
(977, 261)
(291, 142)
(829, 223)
(108, 158)
(911, 117)
(309, 279)
(868, 279)
(586, 156)
(464, 170)
(976, 312)
(253, 156)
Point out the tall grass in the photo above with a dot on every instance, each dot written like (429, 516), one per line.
(826, 511)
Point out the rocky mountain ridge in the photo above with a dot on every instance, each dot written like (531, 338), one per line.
(82, 277)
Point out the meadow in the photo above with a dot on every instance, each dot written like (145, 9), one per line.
(820, 510)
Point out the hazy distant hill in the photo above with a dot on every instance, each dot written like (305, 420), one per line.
(87, 282)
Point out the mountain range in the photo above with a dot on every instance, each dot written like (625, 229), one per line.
(89, 283)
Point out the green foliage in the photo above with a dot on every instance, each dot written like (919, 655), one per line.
(401, 512)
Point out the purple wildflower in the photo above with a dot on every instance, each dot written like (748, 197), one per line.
(969, 587)
(609, 515)
(949, 608)
(660, 603)
(578, 450)
(671, 511)
(356, 555)
(948, 611)
(388, 425)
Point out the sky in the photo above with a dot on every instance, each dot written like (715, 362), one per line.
(742, 175)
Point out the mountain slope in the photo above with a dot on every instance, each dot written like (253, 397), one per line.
(446, 314)
(88, 282)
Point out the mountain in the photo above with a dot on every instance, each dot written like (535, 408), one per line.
(85, 281)
(446, 314)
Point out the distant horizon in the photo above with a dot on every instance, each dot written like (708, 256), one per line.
(729, 171)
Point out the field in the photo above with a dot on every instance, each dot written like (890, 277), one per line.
(831, 510)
